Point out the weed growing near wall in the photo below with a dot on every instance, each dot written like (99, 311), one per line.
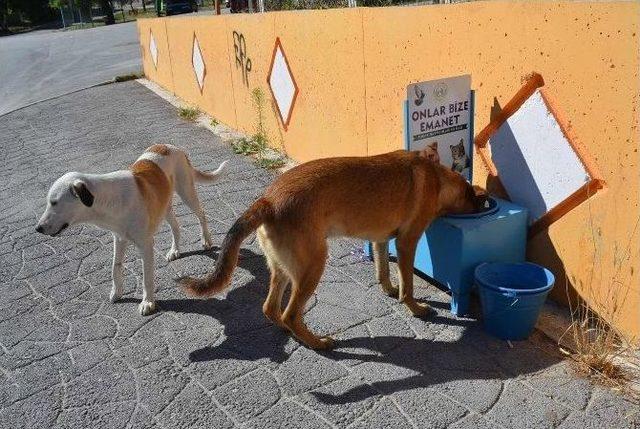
(188, 113)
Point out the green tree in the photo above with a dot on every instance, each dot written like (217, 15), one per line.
(107, 9)
(25, 12)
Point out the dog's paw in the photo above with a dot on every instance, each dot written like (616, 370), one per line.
(389, 289)
(115, 295)
(147, 308)
(172, 255)
(419, 310)
(207, 244)
(326, 343)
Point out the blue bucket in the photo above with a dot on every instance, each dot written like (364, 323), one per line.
(512, 295)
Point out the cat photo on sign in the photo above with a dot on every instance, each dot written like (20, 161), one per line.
(460, 159)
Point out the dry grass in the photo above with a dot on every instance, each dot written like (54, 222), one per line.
(188, 113)
(127, 77)
(600, 351)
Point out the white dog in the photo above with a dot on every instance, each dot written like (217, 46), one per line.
(130, 203)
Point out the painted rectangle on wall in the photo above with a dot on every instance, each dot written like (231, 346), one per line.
(538, 166)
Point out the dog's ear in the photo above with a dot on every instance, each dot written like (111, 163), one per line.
(434, 145)
(79, 190)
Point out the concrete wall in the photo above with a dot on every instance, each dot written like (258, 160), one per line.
(352, 67)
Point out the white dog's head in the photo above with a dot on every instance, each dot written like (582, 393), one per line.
(68, 202)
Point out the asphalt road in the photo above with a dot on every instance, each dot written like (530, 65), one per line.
(45, 64)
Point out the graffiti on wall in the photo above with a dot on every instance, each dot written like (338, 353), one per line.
(242, 60)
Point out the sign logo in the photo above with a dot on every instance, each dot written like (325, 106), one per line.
(440, 91)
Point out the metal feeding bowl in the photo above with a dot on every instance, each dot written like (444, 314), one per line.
(491, 206)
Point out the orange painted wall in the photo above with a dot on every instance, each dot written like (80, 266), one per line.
(353, 65)
(216, 96)
(160, 73)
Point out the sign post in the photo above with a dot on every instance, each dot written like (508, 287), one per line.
(439, 115)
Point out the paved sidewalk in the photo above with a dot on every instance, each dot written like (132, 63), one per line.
(69, 358)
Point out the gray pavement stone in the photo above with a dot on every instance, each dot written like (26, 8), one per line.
(526, 408)
(69, 358)
(606, 409)
(426, 408)
(250, 395)
(342, 402)
(384, 415)
(288, 415)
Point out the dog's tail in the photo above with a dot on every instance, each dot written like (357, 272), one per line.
(202, 176)
(220, 278)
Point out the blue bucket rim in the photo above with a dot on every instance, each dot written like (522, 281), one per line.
(512, 291)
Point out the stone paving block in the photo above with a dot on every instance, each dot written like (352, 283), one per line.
(159, 382)
(108, 382)
(342, 402)
(87, 355)
(45, 327)
(104, 416)
(525, 408)
(606, 410)
(92, 328)
(141, 419)
(139, 351)
(474, 421)
(390, 331)
(35, 377)
(250, 395)
(306, 370)
(354, 297)
(11, 291)
(73, 310)
(193, 408)
(215, 366)
(27, 304)
(478, 392)
(288, 415)
(27, 352)
(428, 409)
(385, 415)
(38, 411)
(562, 384)
(327, 319)
(354, 346)
(67, 291)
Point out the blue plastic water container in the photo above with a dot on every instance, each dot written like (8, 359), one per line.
(512, 296)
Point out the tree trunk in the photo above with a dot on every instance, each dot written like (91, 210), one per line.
(4, 14)
(85, 10)
(108, 11)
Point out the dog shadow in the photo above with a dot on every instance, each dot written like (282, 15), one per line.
(248, 334)
(461, 352)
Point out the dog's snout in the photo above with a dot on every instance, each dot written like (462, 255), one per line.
(39, 229)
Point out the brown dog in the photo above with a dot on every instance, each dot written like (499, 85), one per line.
(375, 198)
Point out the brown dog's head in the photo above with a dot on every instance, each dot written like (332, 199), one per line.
(457, 196)
(480, 198)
